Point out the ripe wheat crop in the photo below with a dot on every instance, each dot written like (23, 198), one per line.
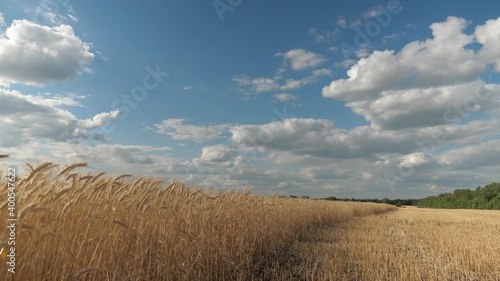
(74, 225)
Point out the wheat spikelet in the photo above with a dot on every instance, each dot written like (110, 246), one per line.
(39, 169)
(26, 226)
(61, 192)
(85, 177)
(29, 166)
(121, 177)
(26, 209)
(97, 176)
(69, 168)
(85, 271)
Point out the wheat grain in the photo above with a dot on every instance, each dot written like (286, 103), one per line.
(69, 168)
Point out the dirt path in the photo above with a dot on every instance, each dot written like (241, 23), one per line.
(408, 244)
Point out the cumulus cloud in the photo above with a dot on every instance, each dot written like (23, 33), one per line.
(432, 106)
(300, 59)
(25, 118)
(99, 120)
(262, 84)
(292, 84)
(177, 130)
(487, 35)
(217, 153)
(36, 55)
(415, 159)
(321, 138)
(2, 20)
(415, 86)
(284, 97)
(473, 156)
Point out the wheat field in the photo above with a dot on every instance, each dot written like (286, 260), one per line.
(74, 225)
(412, 244)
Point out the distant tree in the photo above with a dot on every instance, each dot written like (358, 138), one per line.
(487, 197)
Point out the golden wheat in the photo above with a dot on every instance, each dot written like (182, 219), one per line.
(105, 228)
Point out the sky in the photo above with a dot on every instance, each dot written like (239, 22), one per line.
(356, 99)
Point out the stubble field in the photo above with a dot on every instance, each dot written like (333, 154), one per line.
(412, 244)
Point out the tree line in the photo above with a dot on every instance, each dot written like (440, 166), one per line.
(487, 197)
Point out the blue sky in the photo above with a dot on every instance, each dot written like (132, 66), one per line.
(363, 99)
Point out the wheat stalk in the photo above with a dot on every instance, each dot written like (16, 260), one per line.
(69, 168)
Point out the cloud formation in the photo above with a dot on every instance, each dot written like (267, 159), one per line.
(36, 55)
(26, 118)
(284, 97)
(415, 86)
(177, 130)
(300, 59)
(322, 139)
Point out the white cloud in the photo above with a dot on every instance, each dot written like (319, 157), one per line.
(473, 156)
(415, 159)
(320, 138)
(242, 80)
(2, 20)
(73, 18)
(187, 88)
(488, 35)
(179, 131)
(50, 12)
(374, 11)
(292, 84)
(429, 106)
(323, 36)
(321, 72)
(25, 119)
(416, 86)
(99, 120)
(262, 84)
(300, 59)
(217, 153)
(440, 61)
(35, 55)
(391, 36)
(284, 97)
(341, 22)
(255, 85)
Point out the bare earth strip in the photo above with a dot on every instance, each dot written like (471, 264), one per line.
(409, 244)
